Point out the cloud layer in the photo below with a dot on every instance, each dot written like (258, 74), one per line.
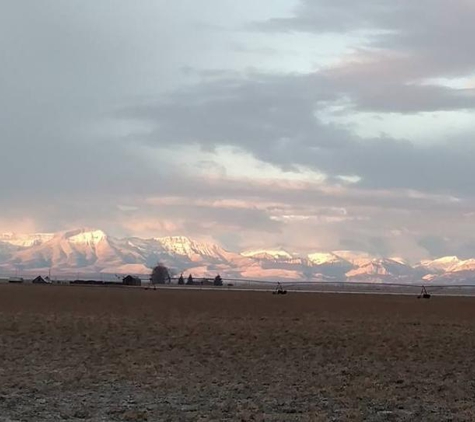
(165, 119)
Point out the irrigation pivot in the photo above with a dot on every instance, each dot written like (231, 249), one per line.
(423, 294)
(279, 290)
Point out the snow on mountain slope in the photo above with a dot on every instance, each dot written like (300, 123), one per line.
(381, 267)
(467, 265)
(441, 265)
(325, 258)
(329, 265)
(86, 237)
(141, 246)
(280, 264)
(355, 257)
(276, 264)
(193, 250)
(25, 240)
(399, 259)
(268, 254)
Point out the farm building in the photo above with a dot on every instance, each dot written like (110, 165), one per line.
(16, 280)
(39, 280)
(131, 281)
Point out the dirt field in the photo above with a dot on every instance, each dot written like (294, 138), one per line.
(111, 354)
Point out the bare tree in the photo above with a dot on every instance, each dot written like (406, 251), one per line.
(160, 275)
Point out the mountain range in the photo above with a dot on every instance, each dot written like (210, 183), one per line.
(93, 252)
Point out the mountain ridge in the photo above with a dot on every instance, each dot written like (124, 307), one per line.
(88, 250)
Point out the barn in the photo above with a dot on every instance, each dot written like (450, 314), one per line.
(130, 280)
(39, 280)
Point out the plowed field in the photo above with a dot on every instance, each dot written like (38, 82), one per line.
(113, 354)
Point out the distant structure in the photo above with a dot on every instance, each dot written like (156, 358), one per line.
(39, 280)
(16, 280)
(130, 280)
(423, 294)
(279, 290)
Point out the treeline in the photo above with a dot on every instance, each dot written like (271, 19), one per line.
(162, 275)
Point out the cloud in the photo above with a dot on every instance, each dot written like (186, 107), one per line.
(431, 28)
(156, 120)
(275, 118)
(435, 245)
(406, 43)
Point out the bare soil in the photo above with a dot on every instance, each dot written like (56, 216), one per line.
(111, 354)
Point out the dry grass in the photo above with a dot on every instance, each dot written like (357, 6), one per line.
(91, 353)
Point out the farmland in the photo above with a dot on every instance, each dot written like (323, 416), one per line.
(80, 353)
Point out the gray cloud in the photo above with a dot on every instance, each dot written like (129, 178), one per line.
(435, 245)
(439, 31)
(275, 118)
(92, 95)
(406, 43)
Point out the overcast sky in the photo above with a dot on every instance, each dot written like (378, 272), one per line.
(304, 124)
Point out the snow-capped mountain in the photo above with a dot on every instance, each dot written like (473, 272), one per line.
(449, 269)
(441, 265)
(323, 258)
(329, 264)
(467, 265)
(85, 237)
(381, 268)
(193, 250)
(25, 240)
(356, 258)
(82, 248)
(262, 254)
(91, 251)
(276, 264)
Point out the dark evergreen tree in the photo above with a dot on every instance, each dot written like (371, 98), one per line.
(189, 282)
(218, 281)
(181, 280)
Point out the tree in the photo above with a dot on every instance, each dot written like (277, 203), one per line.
(181, 280)
(218, 281)
(189, 282)
(160, 275)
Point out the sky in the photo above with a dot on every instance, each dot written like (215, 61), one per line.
(308, 125)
